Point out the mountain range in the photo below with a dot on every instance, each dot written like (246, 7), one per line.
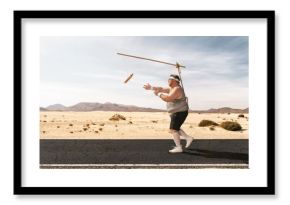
(88, 106)
(222, 110)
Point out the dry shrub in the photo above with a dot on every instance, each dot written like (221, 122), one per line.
(117, 117)
(205, 123)
(231, 126)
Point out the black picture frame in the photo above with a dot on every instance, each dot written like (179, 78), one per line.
(19, 189)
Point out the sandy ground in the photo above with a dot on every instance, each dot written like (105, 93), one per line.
(138, 125)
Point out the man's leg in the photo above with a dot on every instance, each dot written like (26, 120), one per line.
(183, 133)
(175, 124)
(176, 139)
(188, 138)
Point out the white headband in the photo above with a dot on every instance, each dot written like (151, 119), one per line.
(173, 78)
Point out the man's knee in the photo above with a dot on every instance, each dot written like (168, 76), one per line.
(173, 131)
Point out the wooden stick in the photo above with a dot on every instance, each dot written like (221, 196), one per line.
(157, 61)
(130, 76)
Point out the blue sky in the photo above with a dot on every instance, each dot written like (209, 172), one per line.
(87, 69)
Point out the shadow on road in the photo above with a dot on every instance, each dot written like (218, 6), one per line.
(217, 155)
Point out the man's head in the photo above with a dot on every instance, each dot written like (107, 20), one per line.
(173, 80)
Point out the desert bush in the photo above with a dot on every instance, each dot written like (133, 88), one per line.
(205, 123)
(241, 115)
(232, 126)
(117, 117)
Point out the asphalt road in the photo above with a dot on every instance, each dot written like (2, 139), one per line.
(142, 154)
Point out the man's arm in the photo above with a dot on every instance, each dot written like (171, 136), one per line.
(174, 94)
(161, 89)
(156, 89)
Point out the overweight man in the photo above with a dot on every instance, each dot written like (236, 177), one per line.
(177, 107)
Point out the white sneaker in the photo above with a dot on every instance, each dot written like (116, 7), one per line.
(177, 149)
(188, 141)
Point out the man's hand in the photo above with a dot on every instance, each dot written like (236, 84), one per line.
(156, 92)
(147, 86)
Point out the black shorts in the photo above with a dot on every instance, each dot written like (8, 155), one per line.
(177, 119)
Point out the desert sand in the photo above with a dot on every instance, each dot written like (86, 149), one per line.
(138, 125)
